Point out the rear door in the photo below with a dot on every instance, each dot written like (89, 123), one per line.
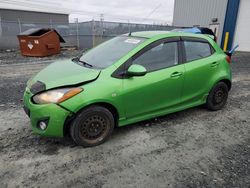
(200, 66)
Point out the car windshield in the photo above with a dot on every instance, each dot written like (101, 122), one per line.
(110, 51)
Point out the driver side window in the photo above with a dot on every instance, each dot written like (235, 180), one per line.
(159, 57)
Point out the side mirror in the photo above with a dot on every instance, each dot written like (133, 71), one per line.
(136, 70)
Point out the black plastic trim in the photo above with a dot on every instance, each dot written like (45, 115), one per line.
(26, 110)
(37, 87)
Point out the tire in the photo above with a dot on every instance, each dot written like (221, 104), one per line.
(217, 97)
(92, 126)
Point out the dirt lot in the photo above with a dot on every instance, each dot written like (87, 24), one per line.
(192, 148)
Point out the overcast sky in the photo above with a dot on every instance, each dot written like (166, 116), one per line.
(158, 11)
(140, 11)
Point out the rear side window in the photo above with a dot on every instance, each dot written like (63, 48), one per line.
(197, 50)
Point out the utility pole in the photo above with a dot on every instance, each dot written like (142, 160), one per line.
(51, 26)
(0, 26)
(20, 26)
(129, 28)
(77, 33)
(93, 32)
(101, 20)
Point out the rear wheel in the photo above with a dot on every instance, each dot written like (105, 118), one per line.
(217, 97)
(92, 126)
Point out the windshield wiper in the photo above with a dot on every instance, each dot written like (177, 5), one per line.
(77, 60)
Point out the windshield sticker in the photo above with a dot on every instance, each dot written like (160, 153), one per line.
(132, 41)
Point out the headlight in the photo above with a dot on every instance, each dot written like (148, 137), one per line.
(56, 95)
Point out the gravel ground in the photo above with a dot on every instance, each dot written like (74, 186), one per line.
(12, 56)
(191, 148)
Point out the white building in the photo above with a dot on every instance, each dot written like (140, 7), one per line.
(228, 18)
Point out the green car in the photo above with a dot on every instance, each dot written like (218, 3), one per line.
(130, 78)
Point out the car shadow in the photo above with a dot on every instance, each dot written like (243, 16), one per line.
(51, 146)
(160, 121)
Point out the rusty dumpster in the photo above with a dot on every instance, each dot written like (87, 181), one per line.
(40, 42)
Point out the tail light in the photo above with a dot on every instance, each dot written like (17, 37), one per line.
(228, 59)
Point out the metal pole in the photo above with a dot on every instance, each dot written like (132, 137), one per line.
(0, 26)
(93, 33)
(129, 29)
(51, 26)
(77, 33)
(101, 20)
(226, 41)
(20, 26)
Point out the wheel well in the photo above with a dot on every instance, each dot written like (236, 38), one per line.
(110, 107)
(228, 83)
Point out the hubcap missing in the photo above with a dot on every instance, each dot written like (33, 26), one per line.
(93, 127)
(219, 96)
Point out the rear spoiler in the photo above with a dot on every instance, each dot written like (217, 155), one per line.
(230, 53)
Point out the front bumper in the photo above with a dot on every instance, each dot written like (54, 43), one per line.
(55, 115)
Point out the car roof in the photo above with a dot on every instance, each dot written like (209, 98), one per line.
(156, 34)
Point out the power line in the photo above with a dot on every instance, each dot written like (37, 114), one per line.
(152, 12)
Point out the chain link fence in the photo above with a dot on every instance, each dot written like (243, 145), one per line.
(83, 35)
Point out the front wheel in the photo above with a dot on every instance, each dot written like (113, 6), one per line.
(217, 97)
(92, 126)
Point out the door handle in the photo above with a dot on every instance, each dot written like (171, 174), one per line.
(214, 64)
(176, 74)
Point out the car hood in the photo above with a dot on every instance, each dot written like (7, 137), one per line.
(62, 73)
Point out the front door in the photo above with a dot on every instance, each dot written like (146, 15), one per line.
(161, 87)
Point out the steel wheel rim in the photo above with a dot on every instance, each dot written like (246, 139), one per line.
(219, 96)
(94, 128)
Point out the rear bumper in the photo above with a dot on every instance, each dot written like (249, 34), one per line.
(52, 113)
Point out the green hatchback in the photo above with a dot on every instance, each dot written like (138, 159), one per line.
(127, 79)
